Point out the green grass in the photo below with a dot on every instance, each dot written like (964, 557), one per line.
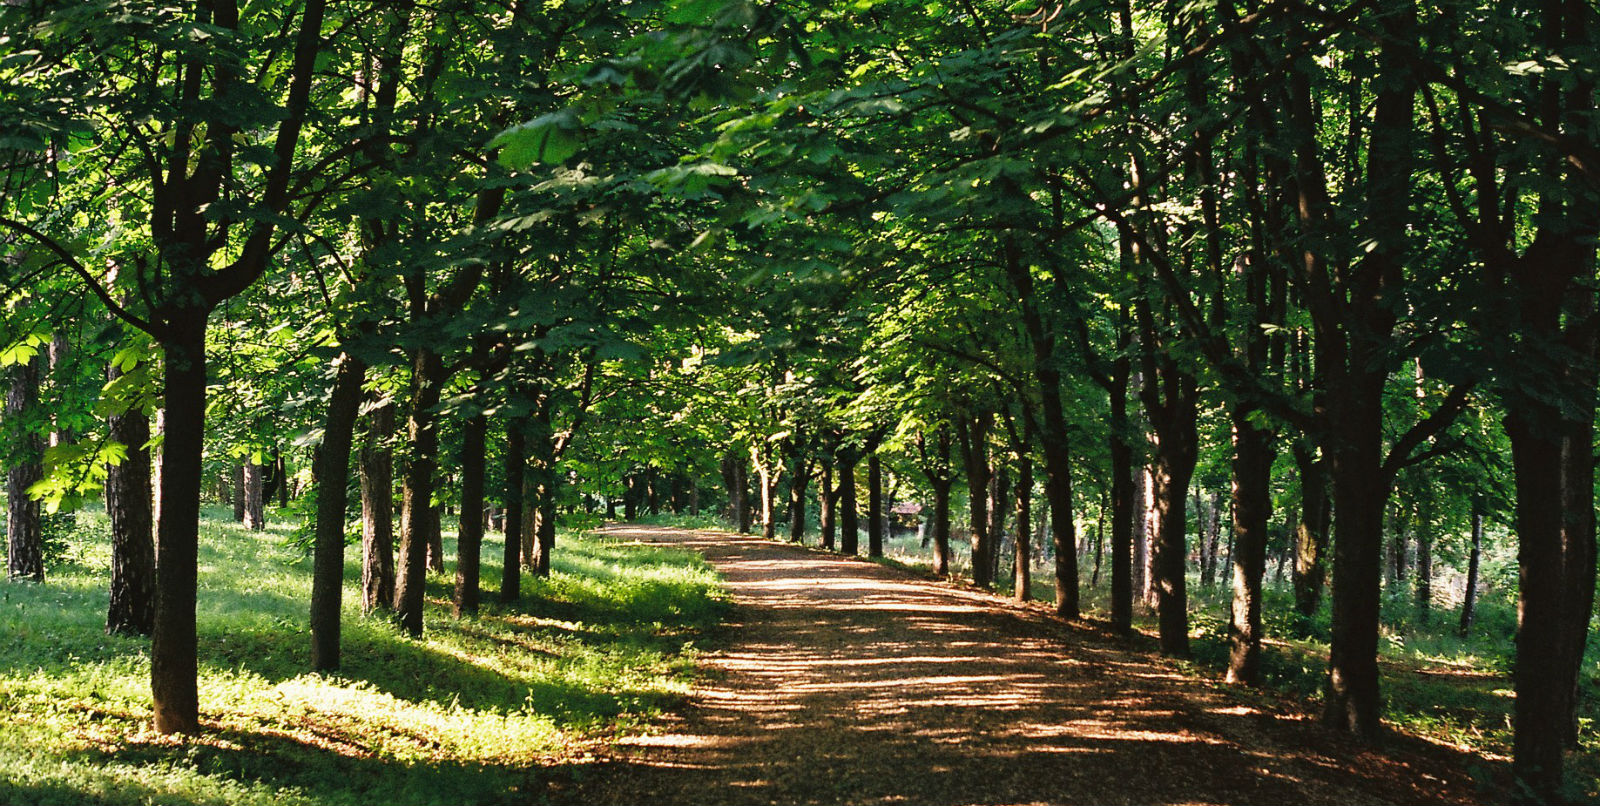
(480, 710)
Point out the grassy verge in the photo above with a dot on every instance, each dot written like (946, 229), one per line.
(477, 711)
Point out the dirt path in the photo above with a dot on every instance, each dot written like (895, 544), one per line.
(842, 681)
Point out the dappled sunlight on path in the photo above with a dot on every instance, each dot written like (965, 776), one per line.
(842, 681)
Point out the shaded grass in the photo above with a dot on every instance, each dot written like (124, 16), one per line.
(477, 711)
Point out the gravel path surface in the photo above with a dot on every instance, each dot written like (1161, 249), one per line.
(842, 681)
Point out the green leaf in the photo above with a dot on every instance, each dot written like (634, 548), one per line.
(546, 139)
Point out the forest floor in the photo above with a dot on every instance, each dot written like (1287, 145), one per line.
(838, 680)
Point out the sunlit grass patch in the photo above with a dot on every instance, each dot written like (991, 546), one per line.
(476, 711)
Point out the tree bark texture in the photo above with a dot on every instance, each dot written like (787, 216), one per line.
(133, 545)
(1469, 594)
(24, 528)
(849, 516)
(973, 435)
(422, 437)
(875, 514)
(1311, 533)
(173, 663)
(333, 480)
(1252, 509)
(516, 467)
(827, 497)
(469, 543)
(1022, 571)
(255, 517)
(376, 469)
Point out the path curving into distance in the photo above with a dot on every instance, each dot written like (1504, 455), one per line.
(839, 680)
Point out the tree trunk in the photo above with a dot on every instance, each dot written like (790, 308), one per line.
(173, 663)
(469, 540)
(875, 514)
(1052, 430)
(376, 469)
(427, 372)
(435, 533)
(1022, 579)
(238, 493)
(827, 495)
(378, 536)
(746, 505)
(849, 517)
(24, 528)
(1124, 505)
(516, 463)
(255, 518)
(547, 532)
(974, 437)
(1469, 595)
(799, 476)
(128, 507)
(1174, 465)
(1252, 510)
(1424, 534)
(999, 505)
(941, 527)
(333, 481)
(1142, 555)
(1311, 533)
(1359, 494)
(281, 472)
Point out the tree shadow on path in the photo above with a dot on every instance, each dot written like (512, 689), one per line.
(843, 681)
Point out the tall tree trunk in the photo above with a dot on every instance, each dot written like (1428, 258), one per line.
(1052, 429)
(1144, 502)
(875, 513)
(1359, 494)
(827, 496)
(281, 471)
(547, 531)
(849, 517)
(174, 666)
(1174, 466)
(469, 538)
(255, 517)
(376, 469)
(1424, 575)
(1311, 533)
(941, 526)
(435, 532)
(799, 476)
(128, 506)
(516, 468)
(1252, 510)
(1469, 594)
(333, 480)
(24, 528)
(427, 372)
(1124, 500)
(999, 505)
(533, 521)
(746, 515)
(238, 493)
(1022, 579)
(973, 435)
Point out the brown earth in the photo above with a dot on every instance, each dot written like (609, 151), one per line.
(839, 680)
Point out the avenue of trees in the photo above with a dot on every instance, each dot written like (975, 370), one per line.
(1147, 286)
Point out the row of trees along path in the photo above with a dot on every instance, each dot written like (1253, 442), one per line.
(1334, 262)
